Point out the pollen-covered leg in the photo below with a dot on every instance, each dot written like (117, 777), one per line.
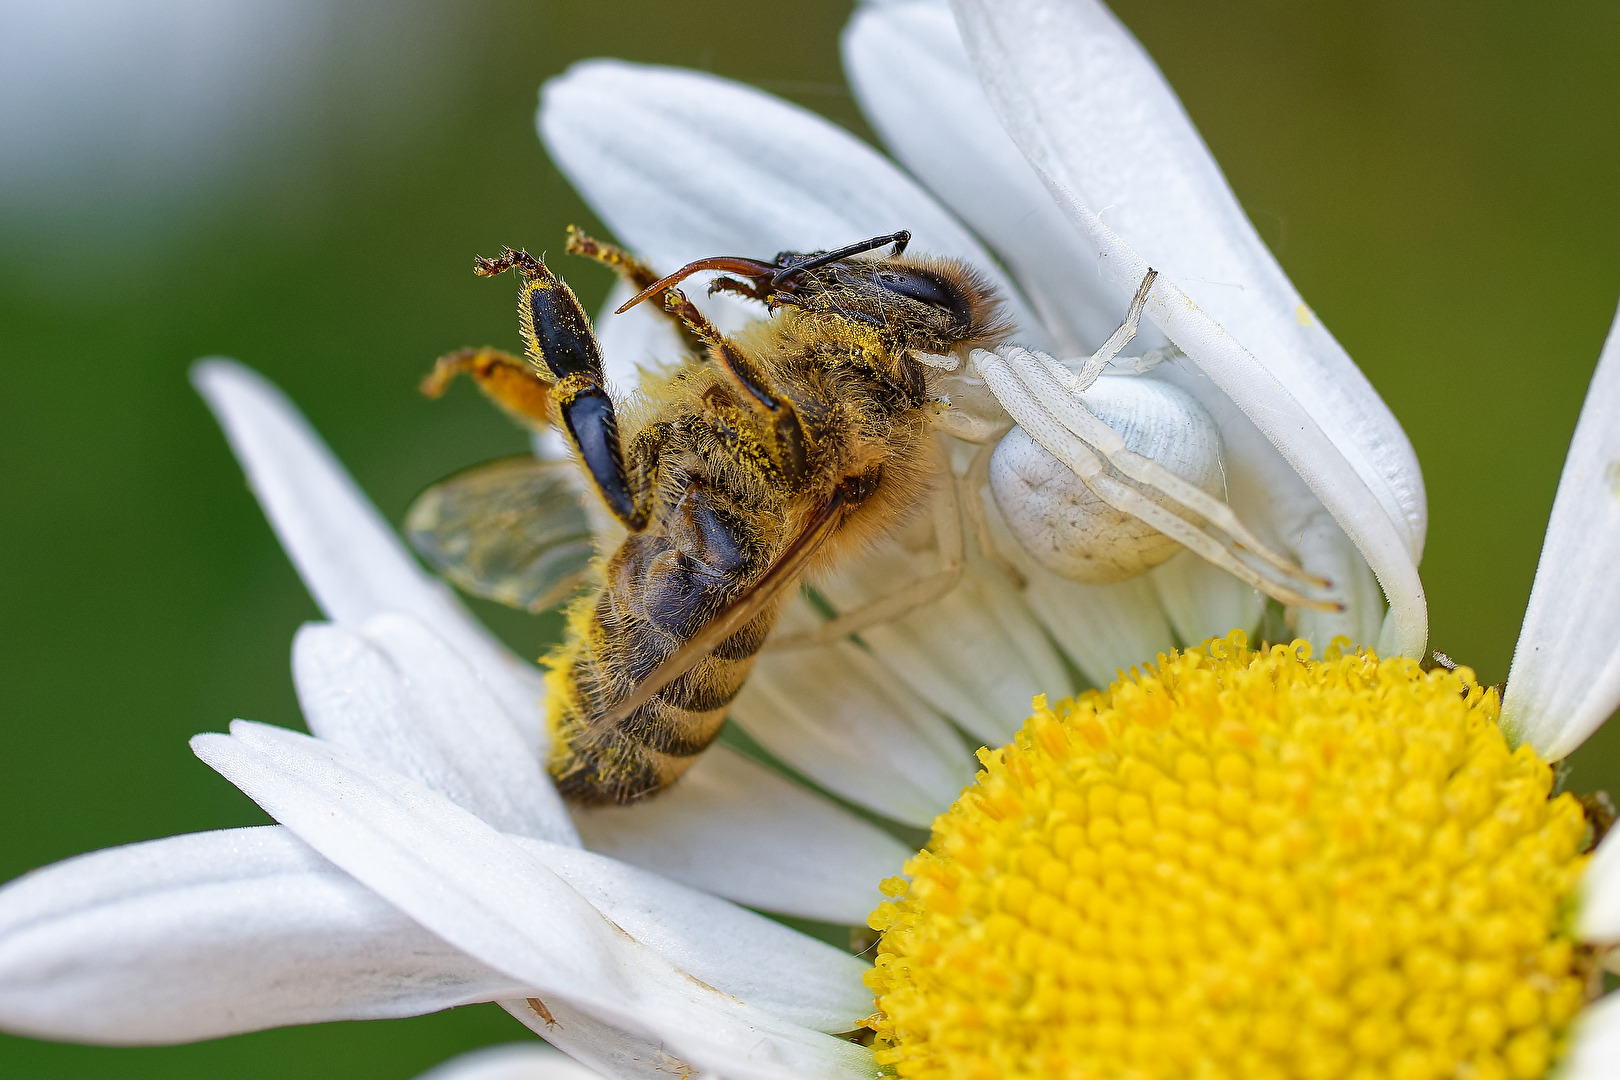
(560, 344)
(947, 515)
(1029, 386)
(635, 273)
(509, 381)
(776, 430)
(631, 270)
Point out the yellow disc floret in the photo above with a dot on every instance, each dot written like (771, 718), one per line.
(1248, 865)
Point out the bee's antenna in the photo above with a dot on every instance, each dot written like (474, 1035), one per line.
(899, 240)
(731, 264)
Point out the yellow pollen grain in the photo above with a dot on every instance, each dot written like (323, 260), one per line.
(1242, 864)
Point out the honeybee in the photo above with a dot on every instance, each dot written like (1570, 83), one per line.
(765, 456)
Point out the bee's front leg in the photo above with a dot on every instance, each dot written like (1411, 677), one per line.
(558, 338)
(772, 421)
(632, 271)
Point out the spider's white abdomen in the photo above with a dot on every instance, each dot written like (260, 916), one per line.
(1060, 521)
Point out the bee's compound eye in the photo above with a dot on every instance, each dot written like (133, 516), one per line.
(917, 285)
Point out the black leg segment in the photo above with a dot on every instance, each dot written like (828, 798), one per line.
(558, 339)
(588, 415)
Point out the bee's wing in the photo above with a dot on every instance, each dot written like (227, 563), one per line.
(782, 573)
(511, 530)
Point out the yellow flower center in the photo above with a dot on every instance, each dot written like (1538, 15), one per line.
(1249, 865)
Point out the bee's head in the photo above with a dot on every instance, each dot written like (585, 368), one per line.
(916, 302)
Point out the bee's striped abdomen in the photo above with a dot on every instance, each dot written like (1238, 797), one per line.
(661, 588)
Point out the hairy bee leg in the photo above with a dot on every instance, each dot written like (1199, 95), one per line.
(721, 349)
(635, 273)
(780, 433)
(1119, 338)
(631, 270)
(947, 514)
(557, 335)
(1061, 424)
(973, 497)
(509, 381)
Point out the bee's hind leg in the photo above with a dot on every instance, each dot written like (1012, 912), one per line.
(558, 338)
(947, 514)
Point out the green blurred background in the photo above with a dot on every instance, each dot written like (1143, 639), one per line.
(1440, 181)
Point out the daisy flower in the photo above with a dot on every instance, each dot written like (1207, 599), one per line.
(1241, 863)
(423, 860)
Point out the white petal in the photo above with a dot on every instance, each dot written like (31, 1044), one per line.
(402, 697)
(514, 1061)
(912, 78)
(212, 934)
(1565, 679)
(1104, 629)
(914, 82)
(1117, 133)
(977, 654)
(750, 957)
(602, 1047)
(1599, 916)
(1594, 1045)
(1324, 548)
(1268, 495)
(738, 830)
(836, 715)
(484, 894)
(683, 165)
(1086, 106)
(1204, 601)
(349, 558)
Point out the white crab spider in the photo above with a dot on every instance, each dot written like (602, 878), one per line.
(1103, 478)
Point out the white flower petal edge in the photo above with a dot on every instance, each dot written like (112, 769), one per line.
(914, 81)
(349, 558)
(484, 894)
(399, 695)
(736, 829)
(1595, 1042)
(211, 934)
(911, 77)
(744, 954)
(514, 1061)
(606, 1049)
(836, 715)
(1565, 679)
(1599, 918)
(683, 165)
(356, 694)
(1094, 117)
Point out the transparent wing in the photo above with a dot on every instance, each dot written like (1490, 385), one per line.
(511, 530)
